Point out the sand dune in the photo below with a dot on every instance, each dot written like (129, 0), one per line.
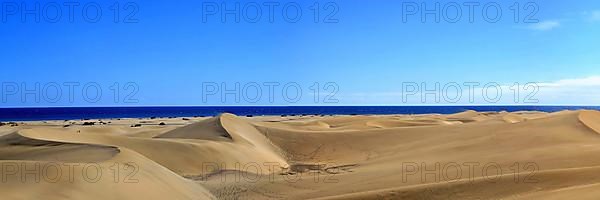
(392, 123)
(591, 119)
(14, 146)
(47, 169)
(513, 118)
(208, 129)
(468, 155)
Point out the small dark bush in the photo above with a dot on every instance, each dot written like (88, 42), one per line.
(89, 123)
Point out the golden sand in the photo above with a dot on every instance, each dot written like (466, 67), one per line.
(469, 155)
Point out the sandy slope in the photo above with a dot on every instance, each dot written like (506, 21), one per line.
(468, 155)
(38, 166)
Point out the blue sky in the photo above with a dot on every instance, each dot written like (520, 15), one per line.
(167, 52)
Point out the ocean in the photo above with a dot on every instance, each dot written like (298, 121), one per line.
(70, 113)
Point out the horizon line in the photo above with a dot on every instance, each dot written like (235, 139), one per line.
(308, 105)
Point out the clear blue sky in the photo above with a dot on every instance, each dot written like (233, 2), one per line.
(370, 51)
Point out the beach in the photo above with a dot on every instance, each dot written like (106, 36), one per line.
(466, 155)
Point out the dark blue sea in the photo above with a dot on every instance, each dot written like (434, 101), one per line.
(68, 113)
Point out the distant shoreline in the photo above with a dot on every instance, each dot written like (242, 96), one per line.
(78, 113)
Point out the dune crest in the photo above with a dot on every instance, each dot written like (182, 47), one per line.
(208, 129)
(395, 123)
(15, 146)
(513, 118)
(591, 119)
(194, 157)
(233, 129)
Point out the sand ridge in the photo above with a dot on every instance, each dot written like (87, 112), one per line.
(591, 119)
